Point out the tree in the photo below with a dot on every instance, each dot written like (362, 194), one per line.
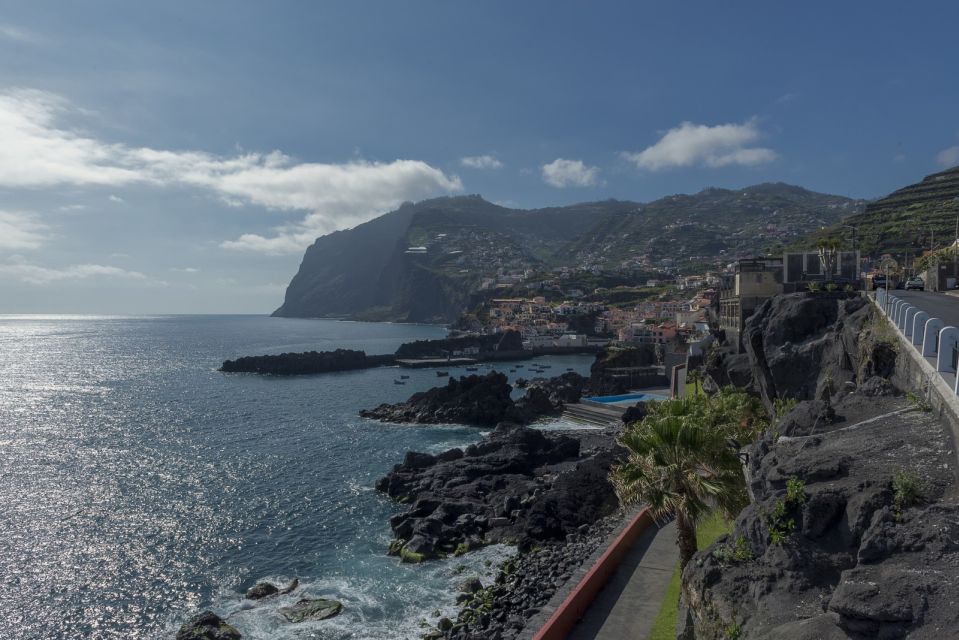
(695, 376)
(679, 462)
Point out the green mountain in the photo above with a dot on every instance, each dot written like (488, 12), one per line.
(423, 261)
(907, 221)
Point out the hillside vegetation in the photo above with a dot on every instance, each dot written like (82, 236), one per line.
(909, 220)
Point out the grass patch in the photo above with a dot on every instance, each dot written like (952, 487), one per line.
(692, 390)
(665, 626)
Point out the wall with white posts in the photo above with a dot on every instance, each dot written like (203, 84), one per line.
(929, 336)
(918, 327)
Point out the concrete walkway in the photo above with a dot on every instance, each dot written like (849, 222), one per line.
(627, 606)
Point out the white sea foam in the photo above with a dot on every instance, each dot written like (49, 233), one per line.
(428, 589)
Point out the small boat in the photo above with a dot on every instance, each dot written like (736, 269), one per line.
(546, 366)
(442, 374)
(398, 382)
(569, 368)
(472, 368)
(519, 366)
(512, 370)
(404, 377)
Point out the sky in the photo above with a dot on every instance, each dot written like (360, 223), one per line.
(178, 157)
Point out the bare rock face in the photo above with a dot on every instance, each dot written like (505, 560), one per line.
(518, 485)
(476, 400)
(483, 400)
(847, 562)
(207, 626)
(805, 347)
(311, 609)
(261, 590)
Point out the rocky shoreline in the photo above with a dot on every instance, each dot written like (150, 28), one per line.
(483, 400)
(523, 585)
(547, 493)
(518, 486)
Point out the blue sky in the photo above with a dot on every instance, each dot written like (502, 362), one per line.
(179, 156)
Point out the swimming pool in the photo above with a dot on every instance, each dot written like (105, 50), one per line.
(627, 399)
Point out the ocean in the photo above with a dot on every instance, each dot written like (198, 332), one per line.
(139, 486)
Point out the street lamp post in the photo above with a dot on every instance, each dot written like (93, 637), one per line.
(886, 265)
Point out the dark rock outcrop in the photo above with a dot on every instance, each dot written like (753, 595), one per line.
(805, 347)
(483, 400)
(519, 485)
(311, 609)
(441, 348)
(261, 590)
(207, 626)
(848, 564)
(288, 364)
(546, 396)
(477, 400)
(609, 372)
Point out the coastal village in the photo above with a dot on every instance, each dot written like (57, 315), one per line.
(679, 314)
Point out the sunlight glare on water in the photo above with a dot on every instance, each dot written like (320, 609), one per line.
(139, 485)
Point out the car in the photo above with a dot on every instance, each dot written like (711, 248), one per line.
(915, 283)
(878, 282)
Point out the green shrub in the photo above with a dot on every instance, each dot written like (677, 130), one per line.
(814, 287)
(734, 552)
(907, 491)
(918, 402)
(831, 287)
(795, 491)
(782, 406)
(778, 521)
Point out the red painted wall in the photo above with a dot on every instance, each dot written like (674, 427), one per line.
(574, 606)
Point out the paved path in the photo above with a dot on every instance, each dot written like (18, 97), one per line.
(937, 305)
(627, 606)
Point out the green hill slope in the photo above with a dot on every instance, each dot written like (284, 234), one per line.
(908, 220)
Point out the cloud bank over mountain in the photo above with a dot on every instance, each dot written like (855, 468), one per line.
(39, 151)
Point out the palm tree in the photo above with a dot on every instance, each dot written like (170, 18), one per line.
(681, 467)
(695, 376)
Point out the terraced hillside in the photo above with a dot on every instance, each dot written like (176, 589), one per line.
(908, 220)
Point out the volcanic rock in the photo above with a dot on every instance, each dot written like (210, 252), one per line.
(311, 609)
(518, 484)
(207, 626)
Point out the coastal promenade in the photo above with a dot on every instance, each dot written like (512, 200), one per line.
(624, 604)
(628, 604)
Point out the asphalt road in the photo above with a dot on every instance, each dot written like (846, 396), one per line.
(937, 305)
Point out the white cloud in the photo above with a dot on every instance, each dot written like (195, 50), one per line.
(698, 144)
(72, 207)
(18, 34)
(115, 198)
(569, 173)
(481, 162)
(185, 269)
(36, 274)
(38, 152)
(20, 230)
(948, 157)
